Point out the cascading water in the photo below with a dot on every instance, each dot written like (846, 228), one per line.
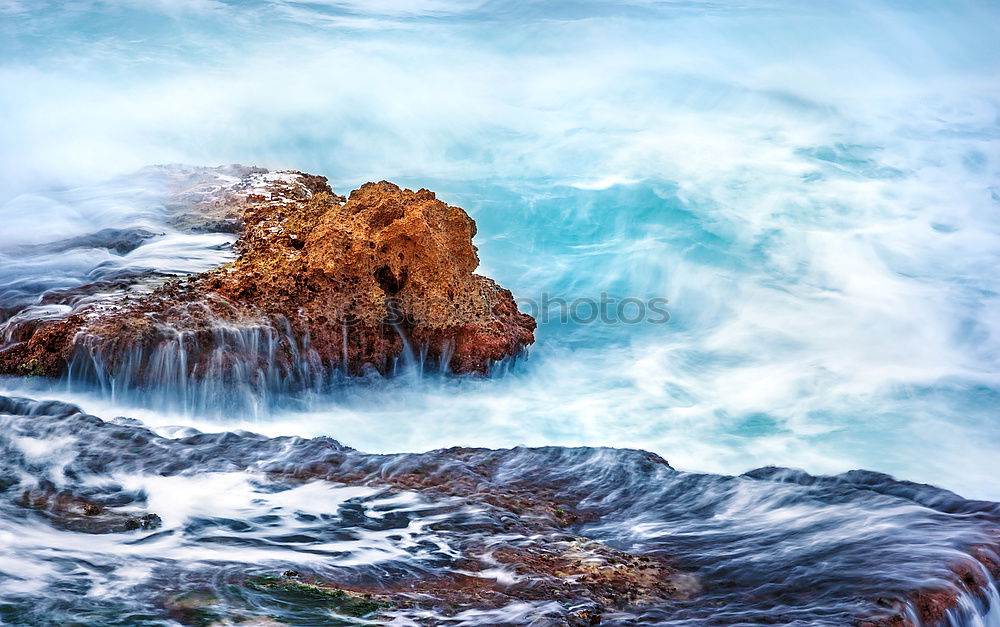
(274, 366)
(772, 546)
(813, 189)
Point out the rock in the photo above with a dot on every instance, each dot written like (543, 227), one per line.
(340, 601)
(146, 521)
(46, 350)
(584, 615)
(570, 536)
(194, 607)
(119, 241)
(389, 267)
(932, 605)
(76, 513)
(320, 284)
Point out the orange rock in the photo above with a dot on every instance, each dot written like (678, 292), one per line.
(336, 284)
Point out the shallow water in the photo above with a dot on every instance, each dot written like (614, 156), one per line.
(774, 545)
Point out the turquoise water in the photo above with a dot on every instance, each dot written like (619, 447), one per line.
(814, 187)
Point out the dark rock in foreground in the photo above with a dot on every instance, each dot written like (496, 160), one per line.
(290, 531)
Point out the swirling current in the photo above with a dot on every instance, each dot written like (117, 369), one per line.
(807, 193)
(772, 546)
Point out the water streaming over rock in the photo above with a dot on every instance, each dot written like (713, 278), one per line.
(110, 523)
(812, 186)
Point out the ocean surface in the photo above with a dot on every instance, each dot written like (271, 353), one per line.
(813, 187)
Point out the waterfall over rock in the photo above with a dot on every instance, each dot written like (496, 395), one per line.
(321, 287)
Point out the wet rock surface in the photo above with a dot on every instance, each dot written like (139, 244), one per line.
(318, 285)
(292, 531)
(120, 241)
(76, 513)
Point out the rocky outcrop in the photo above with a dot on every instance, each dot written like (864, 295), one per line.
(320, 283)
(304, 528)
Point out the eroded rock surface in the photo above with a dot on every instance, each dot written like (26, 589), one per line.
(319, 284)
(297, 531)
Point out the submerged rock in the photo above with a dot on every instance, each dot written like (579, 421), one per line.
(72, 512)
(311, 532)
(319, 284)
(119, 241)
